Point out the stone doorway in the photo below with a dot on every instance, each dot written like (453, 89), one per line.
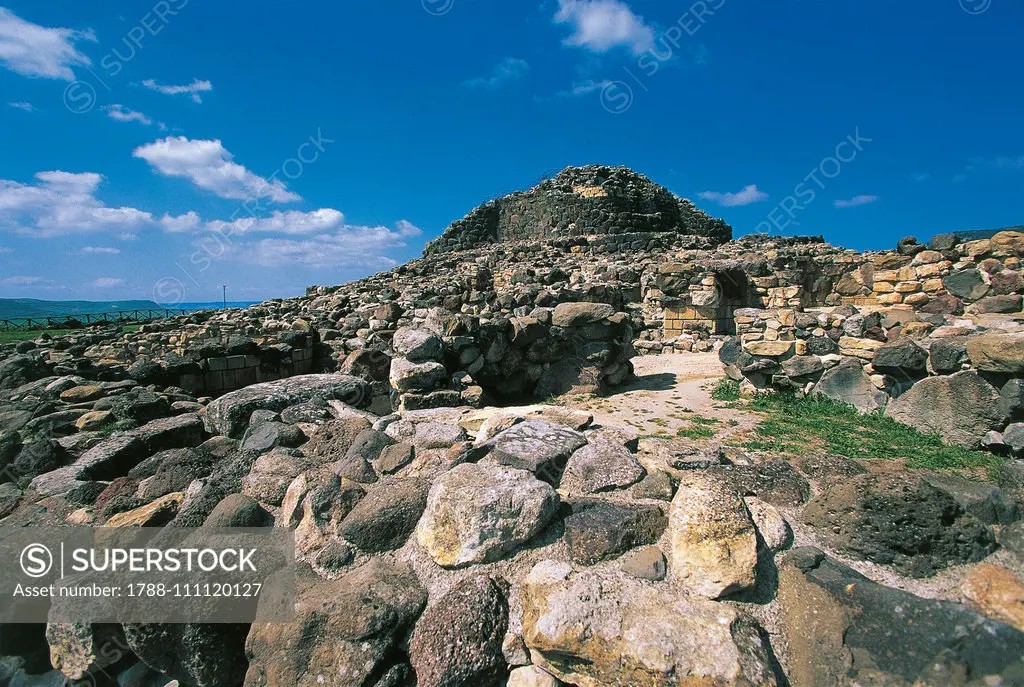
(710, 303)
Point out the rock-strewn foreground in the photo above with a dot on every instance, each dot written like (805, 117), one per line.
(461, 521)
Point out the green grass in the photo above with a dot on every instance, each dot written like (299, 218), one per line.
(8, 337)
(726, 390)
(802, 425)
(699, 428)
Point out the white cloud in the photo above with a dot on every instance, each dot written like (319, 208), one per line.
(193, 89)
(181, 224)
(292, 223)
(100, 250)
(5, 249)
(509, 69)
(24, 281)
(124, 114)
(27, 107)
(316, 239)
(208, 164)
(600, 25)
(107, 283)
(37, 51)
(584, 88)
(855, 201)
(920, 178)
(63, 204)
(749, 194)
(1006, 162)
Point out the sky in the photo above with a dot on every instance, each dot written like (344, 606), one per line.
(162, 149)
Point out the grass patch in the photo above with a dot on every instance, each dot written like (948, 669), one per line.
(800, 425)
(33, 334)
(699, 428)
(726, 390)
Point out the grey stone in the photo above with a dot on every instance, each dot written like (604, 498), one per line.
(477, 513)
(603, 627)
(947, 355)
(395, 457)
(268, 435)
(387, 515)
(541, 447)
(458, 641)
(408, 376)
(345, 628)
(602, 531)
(847, 383)
(901, 521)
(601, 465)
(967, 284)
(580, 314)
(802, 366)
(120, 452)
(417, 344)
(960, 408)
(901, 358)
(832, 612)
(229, 414)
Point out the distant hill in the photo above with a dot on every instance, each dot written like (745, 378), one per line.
(31, 307)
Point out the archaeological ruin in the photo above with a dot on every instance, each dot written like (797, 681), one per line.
(513, 461)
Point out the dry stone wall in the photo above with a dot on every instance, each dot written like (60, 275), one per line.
(582, 201)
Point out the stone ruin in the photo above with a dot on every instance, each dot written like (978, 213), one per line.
(623, 210)
(458, 523)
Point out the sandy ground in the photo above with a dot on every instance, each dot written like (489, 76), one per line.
(668, 392)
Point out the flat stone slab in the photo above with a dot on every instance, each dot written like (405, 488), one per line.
(229, 414)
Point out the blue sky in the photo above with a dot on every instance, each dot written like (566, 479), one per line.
(161, 149)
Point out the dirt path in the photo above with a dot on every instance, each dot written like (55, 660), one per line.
(671, 393)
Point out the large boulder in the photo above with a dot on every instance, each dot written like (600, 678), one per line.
(580, 314)
(602, 531)
(597, 628)
(712, 537)
(122, 451)
(846, 629)
(601, 465)
(902, 359)
(541, 447)
(906, 522)
(344, 632)
(387, 515)
(848, 383)
(998, 353)
(960, 408)
(17, 370)
(334, 438)
(194, 654)
(417, 344)
(967, 284)
(407, 375)
(229, 414)
(458, 641)
(477, 513)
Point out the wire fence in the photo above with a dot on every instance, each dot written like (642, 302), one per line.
(79, 321)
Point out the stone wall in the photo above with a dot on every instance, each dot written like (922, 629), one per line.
(462, 360)
(581, 201)
(207, 357)
(959, 379)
